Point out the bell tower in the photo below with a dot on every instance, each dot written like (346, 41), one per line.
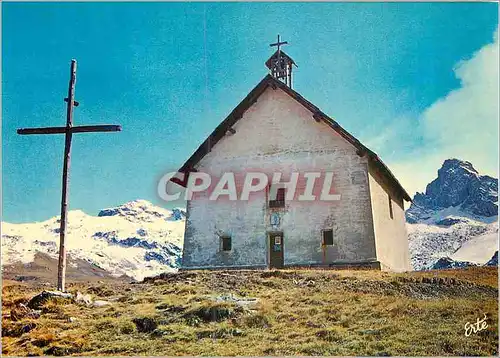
(280, 64)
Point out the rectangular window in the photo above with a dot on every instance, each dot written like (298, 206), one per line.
(280, 199)
(226, 243)
(327, 237)
(390, 206)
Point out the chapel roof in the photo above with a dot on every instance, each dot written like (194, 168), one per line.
(237, 113)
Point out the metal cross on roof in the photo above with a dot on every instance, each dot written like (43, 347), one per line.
(278, 44)
(280, 64)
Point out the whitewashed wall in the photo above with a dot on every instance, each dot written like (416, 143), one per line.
(277, 133)
(391, 238)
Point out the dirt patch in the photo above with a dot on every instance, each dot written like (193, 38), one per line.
(422, 288)
(170, 277)
(413, 285)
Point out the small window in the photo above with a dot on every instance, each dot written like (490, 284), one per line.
(280, 199)
(226, 243)
(327, 237)
(390, 206)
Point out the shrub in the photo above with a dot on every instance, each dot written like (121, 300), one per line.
(256, 321)
(101, 291)
(212, 312)
(127, 327)
(145, 324)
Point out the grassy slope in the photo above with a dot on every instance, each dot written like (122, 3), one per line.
(307, 312)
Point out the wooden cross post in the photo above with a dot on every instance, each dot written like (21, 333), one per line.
(68, 130)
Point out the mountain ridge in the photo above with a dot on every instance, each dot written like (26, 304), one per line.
(458, 206)
(136, 239)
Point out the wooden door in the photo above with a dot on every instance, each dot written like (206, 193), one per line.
(276, 258)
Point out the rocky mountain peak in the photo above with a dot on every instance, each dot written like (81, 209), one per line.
(451, 165)
(460, 186)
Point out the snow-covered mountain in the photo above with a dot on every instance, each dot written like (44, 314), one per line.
(136, 239)
(456, 218)
(458, 189)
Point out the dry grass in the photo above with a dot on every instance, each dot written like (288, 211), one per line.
(299, 312)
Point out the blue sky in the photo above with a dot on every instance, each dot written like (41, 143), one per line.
(416, 82)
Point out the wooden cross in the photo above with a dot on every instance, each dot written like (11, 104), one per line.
(68, 130)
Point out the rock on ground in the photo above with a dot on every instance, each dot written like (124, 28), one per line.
(37, 301)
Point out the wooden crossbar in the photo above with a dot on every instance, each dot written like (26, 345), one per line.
(76, 129)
